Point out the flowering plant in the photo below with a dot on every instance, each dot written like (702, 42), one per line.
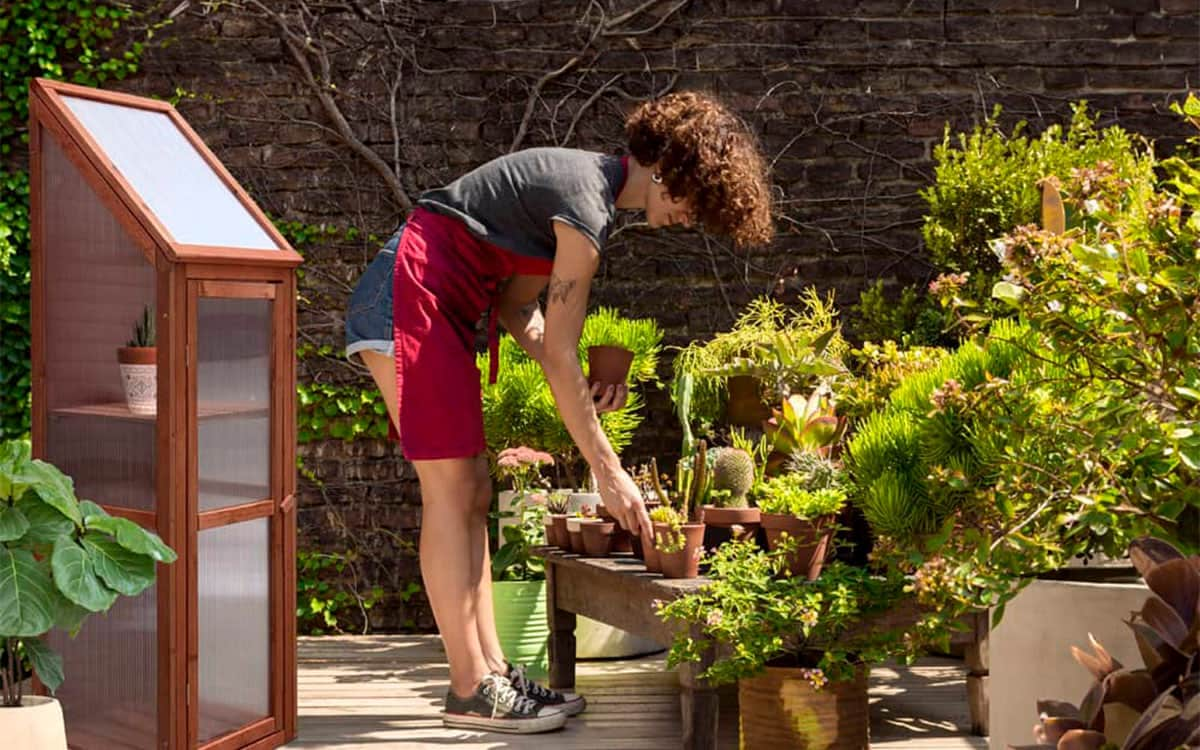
(522, 467)
(756, 617)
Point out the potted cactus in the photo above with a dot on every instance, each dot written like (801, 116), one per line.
(61, 560)
(679, 536)
(556, 521)
(729, 514)
(139, 371)
(792, 508)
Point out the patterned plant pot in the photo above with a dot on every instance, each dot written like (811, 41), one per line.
(781, 708)
(139, 375)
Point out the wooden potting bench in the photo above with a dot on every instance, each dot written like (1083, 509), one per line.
(619, 591)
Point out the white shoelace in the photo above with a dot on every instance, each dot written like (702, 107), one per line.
(525, 685)
(504, 693)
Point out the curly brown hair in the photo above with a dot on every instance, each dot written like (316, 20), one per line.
(709, 155)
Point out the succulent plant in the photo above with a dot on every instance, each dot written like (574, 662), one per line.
(143, 330)
(819, 473)
(557, 504)
(1153, 708)
(733, 471)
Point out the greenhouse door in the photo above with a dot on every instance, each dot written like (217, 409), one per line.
(236, 629)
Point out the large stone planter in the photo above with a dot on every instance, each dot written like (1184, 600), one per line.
(1030, 651)
(36, 725)
(781, 709)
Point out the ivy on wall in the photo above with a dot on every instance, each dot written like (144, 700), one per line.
(69, 40)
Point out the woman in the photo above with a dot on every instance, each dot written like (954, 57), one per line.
(496, 238)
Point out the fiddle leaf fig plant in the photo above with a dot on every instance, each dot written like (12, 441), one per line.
(61, 559)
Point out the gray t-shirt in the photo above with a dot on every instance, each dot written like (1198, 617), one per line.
(513, 201)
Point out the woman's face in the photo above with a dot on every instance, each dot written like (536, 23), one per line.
(664, 211)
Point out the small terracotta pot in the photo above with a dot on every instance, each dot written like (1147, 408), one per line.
(686, 562)
(744, 407)
(598, 537)
(748, 518)
(574, 535)
(809, 556)
(622, 539)
(608, 365)
(556, 533)
(651, 558)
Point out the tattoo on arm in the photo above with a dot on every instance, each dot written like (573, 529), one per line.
(560, 289)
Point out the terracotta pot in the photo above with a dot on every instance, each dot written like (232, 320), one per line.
(598, 537)
(622, 539)
(36, 725)
(744, 407)
(686, 562)
(781, 708)
(809, 556)
(748, 518)
(556, 533)
(651, 558)
(139, 375)
(608, 365)
(574, 535)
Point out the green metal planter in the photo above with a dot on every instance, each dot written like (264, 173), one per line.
(521, 623)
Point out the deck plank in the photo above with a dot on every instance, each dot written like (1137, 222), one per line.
(375, 692)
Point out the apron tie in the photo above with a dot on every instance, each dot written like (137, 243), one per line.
(493, 344)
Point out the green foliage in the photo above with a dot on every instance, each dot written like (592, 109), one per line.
(343, 412)
(912, 318)
(788, 351)
(143, 330)
(816, 472)
(325, 602)
(790, 494)
(519, 408)
(69, 40)
(514, 559)
(61, 559)
(754, 616)
(878, 369)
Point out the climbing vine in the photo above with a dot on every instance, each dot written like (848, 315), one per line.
(68, 40)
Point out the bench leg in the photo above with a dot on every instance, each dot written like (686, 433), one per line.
(562, 637)
(700, 707)
(977, 678)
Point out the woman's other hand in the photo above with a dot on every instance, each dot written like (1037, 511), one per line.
(609, 397)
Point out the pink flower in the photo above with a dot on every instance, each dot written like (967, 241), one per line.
(515, 457)
(714, 618)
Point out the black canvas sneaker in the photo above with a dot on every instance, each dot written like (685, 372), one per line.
(498, 707)
(570, 703)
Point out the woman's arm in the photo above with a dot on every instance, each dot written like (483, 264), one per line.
(575, 262)
(521, 315)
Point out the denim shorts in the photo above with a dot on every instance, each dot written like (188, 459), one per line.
(369, 311)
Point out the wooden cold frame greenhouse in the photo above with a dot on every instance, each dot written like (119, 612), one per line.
(133, 216)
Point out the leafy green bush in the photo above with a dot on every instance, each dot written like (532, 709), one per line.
(878, 369)
(788, 494)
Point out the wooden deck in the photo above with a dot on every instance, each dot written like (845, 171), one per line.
(386, 692)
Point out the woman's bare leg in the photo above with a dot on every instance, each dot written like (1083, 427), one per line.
(455, 565)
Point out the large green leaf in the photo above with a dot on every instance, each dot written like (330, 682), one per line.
(13, 523)
(68, 616)
(47, 665)
(133, 537)
(46, 524)
(128, 573)
(13, 455)
(75, 576)
(25, 595)
(51, 485)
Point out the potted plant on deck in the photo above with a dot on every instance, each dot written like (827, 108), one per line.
(61, 560)
(799, 650)
(729, 514)
(793, 507)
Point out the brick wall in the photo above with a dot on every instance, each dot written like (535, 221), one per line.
(849, 99)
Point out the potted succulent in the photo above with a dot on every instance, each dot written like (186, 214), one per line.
(61, 560)
(1157, 706)
(792, 508)
(679, 536)
(556, 521)
(729, 514)
(139, 371)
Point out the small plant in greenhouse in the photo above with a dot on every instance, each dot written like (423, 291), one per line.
(61, 560)
(756, 617)
(143, 330)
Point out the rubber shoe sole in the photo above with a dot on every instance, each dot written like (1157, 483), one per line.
(573, 707)
(547, 720)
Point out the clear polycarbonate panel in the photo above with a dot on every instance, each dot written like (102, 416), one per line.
(97, 284)
(233, 384)
(234, 575)
(110, 693)
(170, 175)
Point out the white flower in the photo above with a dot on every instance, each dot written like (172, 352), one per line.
(1054, 306)
(1141, 287)
(1091, 205)
(1110, 251)
(999, 248)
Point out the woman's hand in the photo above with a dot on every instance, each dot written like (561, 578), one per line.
(610, 397)
(623, 500)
